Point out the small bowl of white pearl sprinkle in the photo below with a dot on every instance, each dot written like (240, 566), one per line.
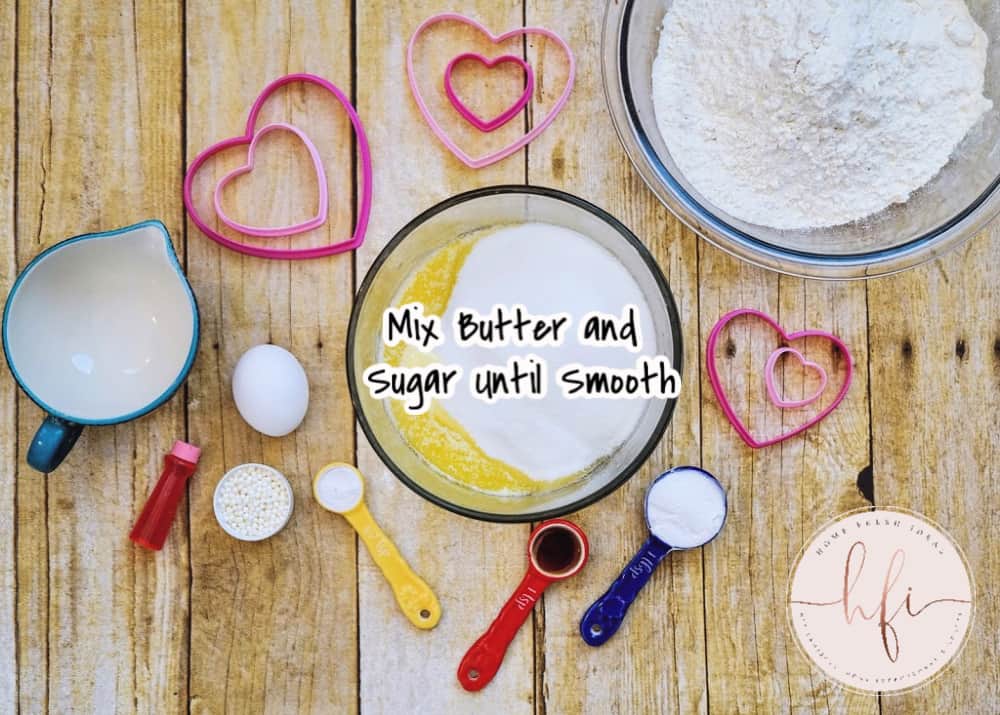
(253, 502)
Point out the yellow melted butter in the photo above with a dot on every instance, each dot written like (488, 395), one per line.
(435, 435)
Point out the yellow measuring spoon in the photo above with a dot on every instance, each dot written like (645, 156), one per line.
(340, 488)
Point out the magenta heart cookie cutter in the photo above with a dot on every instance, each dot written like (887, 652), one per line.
(727, 408)
(772, 390)
(522, 141)
(506, 115)
(323, 193)
(365, 163)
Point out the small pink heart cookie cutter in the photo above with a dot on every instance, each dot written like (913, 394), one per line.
(727, 408)
(506, 115)
(772, 390)
(522, 141)
(323, 193)
(365, 164)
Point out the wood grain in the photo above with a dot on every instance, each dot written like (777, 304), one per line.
(8, 392)
(472, 566)
(273, 623)
(656, 663)
(936, 367)
(777, 496)
(111, 101)
(101, 626)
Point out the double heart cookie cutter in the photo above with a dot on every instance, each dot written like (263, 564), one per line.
(506, 115)
(250, 138)
(479, 162)
(323, 199)
(772, 390)
(769, 369)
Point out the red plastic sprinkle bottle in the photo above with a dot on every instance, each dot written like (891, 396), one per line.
(150, 531)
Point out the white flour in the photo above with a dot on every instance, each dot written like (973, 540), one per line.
(809, 113)
(548, 269)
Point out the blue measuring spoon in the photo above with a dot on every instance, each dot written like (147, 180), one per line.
(606, 614)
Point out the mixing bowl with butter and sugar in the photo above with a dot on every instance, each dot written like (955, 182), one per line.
(526, 459)
(951, 208)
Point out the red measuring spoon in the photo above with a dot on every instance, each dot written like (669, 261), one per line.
(557, 549)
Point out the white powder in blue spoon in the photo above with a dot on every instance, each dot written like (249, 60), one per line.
(685, 508)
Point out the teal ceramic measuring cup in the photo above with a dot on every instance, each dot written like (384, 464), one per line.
(99, 329)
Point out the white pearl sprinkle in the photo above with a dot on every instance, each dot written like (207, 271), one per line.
(253, 501)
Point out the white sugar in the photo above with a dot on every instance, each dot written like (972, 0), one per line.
(548, 269)
(686, 508)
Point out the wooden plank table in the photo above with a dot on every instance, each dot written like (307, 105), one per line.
(109, 103)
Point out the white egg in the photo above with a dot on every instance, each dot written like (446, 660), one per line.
(271, 390)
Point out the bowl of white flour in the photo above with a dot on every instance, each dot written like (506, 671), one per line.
(827, 139)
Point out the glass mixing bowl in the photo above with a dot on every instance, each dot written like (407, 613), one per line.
(954, 206)
(430, 231)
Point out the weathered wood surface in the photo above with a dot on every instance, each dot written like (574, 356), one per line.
(445, 549)
(935, 359)
(8, 393)
(273, 624)
(99, 624)
(111, 101)
(656, 663)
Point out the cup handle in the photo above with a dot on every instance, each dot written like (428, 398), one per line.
(52, 442)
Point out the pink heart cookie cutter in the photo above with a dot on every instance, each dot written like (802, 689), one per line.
(506, 115)
(727, 408)
(323, 193)
(365, 162)
(524, 139)
(772, 390)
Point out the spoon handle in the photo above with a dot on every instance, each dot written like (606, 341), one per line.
(605, 616)
(483, 659)
(413, 595)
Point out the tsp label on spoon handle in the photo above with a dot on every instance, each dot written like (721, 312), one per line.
(605, 615)
(414, 596)
(483, 659)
